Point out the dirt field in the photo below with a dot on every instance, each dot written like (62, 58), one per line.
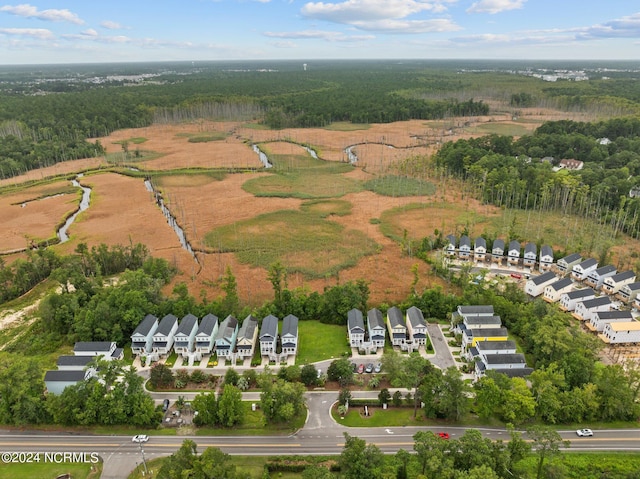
(123, 211)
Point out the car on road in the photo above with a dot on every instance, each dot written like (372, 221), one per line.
(368, 368)
(516, 275)
(360, 368)
(377, 368)
(584, 432)
(140, 438)
(443, 435)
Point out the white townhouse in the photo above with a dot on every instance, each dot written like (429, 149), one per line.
(484, 348)
(206, 334)
(416, 326)
(596, 278)
(268, 336)
(142, 337)
(530, 255)
(480, 249)
(586, 309)
(535, 286)
(513, 365)
(554, 291)
(629, 292)
(396, 326)
(513, 253)
(464, 249)
(497, 251)
(599, 320)
(247, 337)
(375, 327)
(355, 325)
(106, 350)
(289, 335)
(582, 270)
(185, 335)
(450, 246)
(621, 333)
(546, 258)
(164, 335)
(569, 300)
(614, 283)
(565, 265)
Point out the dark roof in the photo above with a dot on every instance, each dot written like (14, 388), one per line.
(632, 286)
(451, 239)
(269, 327)
(465, 241)
(622, 276)
(207, 325)
(595, 302)
(498, 244)
(374, 319)
(516, 358)
(290, 325)
(74, 360)
(572, 258)
(187, 324)
(395, 317)
(117, 353)
(626, 315)
(514, 372)
(588, 263)
(546, 251)
(249, 325)
(145, 325)
(416, 317)
(480, 242)
(560, 284)
(580, 293)
(604, 270)
(87, 346)
(355, 320)
(513, 244)
(64, 376)
(471, 320)
(531, 248)
(481, 309)
(543, 278)
(227, 328)
(488, 332)
(166, 324)
(496, 345)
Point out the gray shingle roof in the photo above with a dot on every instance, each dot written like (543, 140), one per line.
(355, 320)
(496, 345)
(64, 376)
(498, 244)
(87, 346)
(580, 293)
(207, 325)
(374, 318)
(395, 317)
(269, 327)
(74, 360)
(187, 324)
(145, 325)
(622, 276)
(544, 278)
(166, 324)
(416, 318)
(588, 263)
(561, 284)
(572, 258)
(249, 325)
(595, 302)
(476, 309)
(290, 325)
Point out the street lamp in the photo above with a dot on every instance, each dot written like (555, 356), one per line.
(144, 462)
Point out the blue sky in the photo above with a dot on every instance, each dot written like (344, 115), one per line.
(87, 31)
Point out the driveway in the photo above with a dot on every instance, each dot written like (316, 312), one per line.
(443, 357)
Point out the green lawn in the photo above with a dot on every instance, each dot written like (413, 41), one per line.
(346, 126)
(50, 470)
(398, 186)
(333, 345)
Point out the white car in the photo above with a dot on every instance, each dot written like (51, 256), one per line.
(584, 432)
(140, 438)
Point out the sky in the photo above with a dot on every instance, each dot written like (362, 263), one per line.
(96, 31)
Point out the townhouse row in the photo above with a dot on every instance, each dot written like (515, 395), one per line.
(406, 332)
(194, 339)
(486, 342)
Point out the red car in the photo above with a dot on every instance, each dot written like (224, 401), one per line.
(443, 435)
(516, 275)
(360, 368)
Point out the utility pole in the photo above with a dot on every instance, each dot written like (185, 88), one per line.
(144, 462)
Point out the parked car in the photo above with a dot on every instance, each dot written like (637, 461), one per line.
(584, 432)
(377, 368)
(360, 368)
(443, 435)
(165, 405)
(368, 368)
(516, 275)
(355, 367)
(140, 438)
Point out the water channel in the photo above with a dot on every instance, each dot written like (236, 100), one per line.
(263, 157)
(84, 204)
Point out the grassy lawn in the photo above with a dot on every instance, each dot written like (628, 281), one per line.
(397, 186)
(326, 208)
(49, 470)
(135, 140)
(254, 424)
(379, 417)
(203, 137)
(346, 126)
(302, 241)
(171, 360)
(508, 129)
(333, 344)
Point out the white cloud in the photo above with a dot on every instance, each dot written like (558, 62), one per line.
(408, 26)
(109, 25)
(495, 6)
(351, 11)
(319, 34)
(90, 32)
(39, 33)
(625, 27)
(51, 15)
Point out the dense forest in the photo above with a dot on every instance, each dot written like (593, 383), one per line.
(520, 173)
